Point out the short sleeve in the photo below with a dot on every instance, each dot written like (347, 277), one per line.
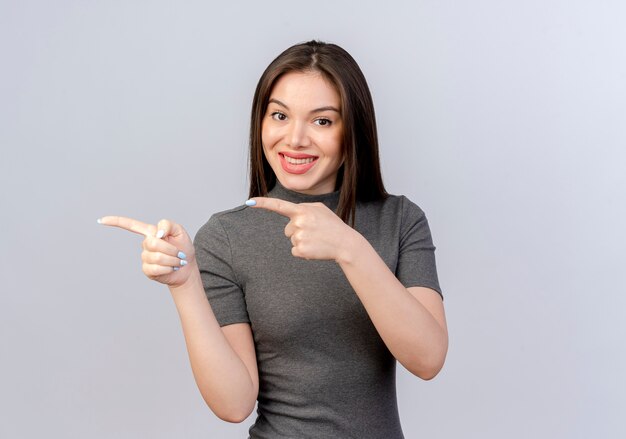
(416, 258)
(214, 256)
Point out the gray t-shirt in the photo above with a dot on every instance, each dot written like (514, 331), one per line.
(324, 372)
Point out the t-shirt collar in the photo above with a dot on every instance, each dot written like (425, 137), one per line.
(330, 199)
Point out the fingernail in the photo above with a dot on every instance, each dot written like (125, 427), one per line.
(183, 262)
(99, 220)
(181, 255)
(251, 203)
(160, 234)
(176, 268)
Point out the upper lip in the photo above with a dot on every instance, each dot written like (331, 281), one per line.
(298, 155)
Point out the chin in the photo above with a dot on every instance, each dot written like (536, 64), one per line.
(294, 184)
(303, 185)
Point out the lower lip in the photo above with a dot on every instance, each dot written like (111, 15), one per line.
(295, 169)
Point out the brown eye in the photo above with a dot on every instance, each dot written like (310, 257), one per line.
(277, 115)
(323, 122)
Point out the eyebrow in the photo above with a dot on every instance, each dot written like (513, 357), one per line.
(317, 110)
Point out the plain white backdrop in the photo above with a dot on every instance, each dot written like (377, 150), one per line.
(504, 121)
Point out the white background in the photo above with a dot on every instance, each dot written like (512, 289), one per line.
(504, 120)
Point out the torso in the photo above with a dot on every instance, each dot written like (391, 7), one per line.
(324, 371)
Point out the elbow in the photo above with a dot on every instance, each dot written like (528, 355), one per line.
(428, 367)
(234, 415)
(428, 374)
(231, 405)
(232, 411)
(425, 371)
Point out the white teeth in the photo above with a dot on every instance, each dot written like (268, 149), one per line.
(298, 161)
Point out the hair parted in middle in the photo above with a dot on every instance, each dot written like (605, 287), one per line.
(359, 178)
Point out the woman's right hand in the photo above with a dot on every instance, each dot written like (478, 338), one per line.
(168, 254)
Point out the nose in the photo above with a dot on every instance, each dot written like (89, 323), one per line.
(298, 136)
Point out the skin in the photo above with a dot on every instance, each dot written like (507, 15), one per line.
(302, 118)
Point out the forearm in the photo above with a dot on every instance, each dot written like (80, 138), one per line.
(411, 333)
(222, 377)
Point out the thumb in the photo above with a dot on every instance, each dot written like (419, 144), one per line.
(167, 228)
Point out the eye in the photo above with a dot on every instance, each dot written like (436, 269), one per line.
(277, 115)
(323, 122)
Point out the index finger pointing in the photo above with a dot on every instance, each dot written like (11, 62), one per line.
(132, 225)
(281, 207)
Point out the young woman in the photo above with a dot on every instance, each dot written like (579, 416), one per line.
(321, 281)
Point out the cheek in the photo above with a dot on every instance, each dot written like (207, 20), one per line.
(337, 149)
(268, 137)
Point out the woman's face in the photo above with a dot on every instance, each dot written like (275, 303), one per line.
(302, 132)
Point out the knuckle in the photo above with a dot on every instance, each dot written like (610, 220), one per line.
(163, 223)
(289, 229)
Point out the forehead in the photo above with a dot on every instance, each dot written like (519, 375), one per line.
(305, 89)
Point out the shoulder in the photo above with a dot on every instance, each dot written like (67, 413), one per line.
(413, 222)
(234, 215)
(219, 222)
(392, 217)
(240, 216)
(216, 218)
(238, 223)
(398, 206)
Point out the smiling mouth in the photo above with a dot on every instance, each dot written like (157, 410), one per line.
(300, 164)
(295, 161)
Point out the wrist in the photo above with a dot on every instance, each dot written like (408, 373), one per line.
(351, 246)
(192, 282)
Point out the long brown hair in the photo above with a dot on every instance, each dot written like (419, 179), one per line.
(359, 178)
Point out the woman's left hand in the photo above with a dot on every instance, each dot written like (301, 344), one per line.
(315, 231)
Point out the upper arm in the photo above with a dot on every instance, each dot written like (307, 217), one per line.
(416, 254)
(432, 301)
(239, 336)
